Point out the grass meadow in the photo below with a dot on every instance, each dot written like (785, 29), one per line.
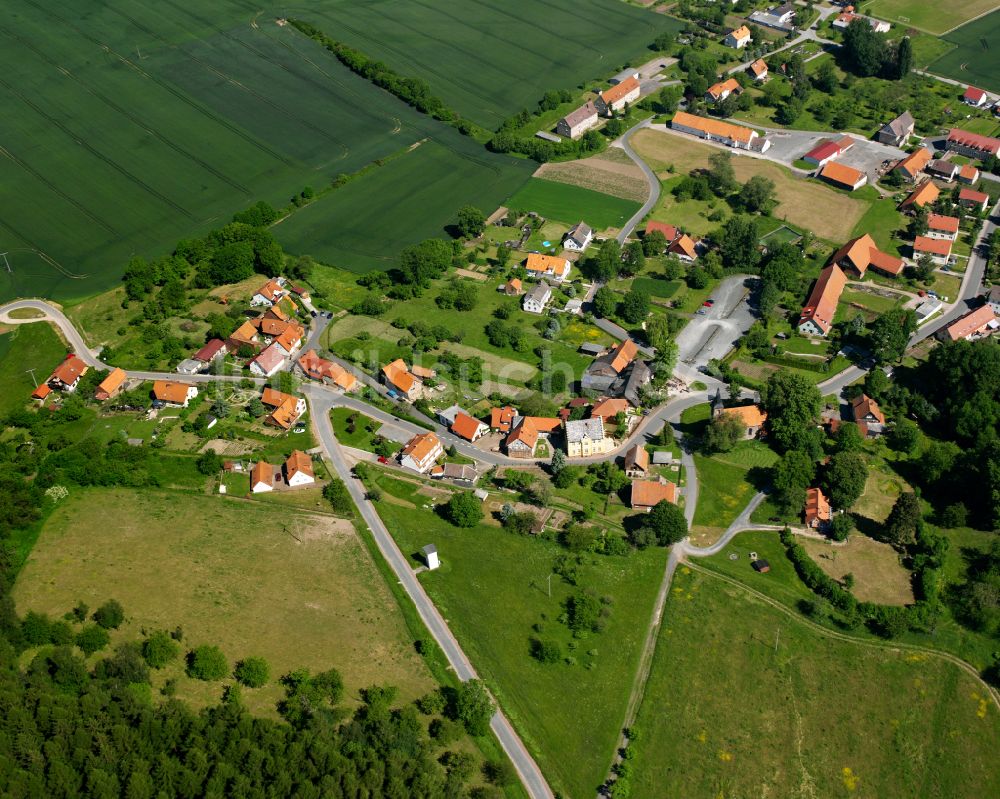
(746, 700)
(297, 589)
(34, 346)
(492, 588)
(570, 204)
(976, 56)
(490, 59)
(929, 15)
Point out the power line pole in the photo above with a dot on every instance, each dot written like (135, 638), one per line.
(33, 380)
(6, 262)
(777, 634)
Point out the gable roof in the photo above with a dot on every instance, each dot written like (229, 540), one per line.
(502, 418)
(740, 33)
(465, 426)
(817, 505)
(949, 224)
(210, 350)
(669, 231)
(286, 413)
(298, 462)
(609, 407)
(169, 391)
(900, 125)
(538, 262)
(968, 172)
(245, 333)
(275, 313)
(616, 92)
(821, 306)
(932, 246)
(974, 94)
(291, 337)
(750, 415)
(976, 141)
(42, 390)
(827, 148)
(586, 111)
(270, 290)
(270, 358)
(527, 428)
(863, 405)
(421, 446)
(262, 472)
(111, 383)
(539, 294)
(684, 245)
(714, 127)
(970, 323)
(69, 371)
(580, 232)
(622, 355)
(649, 493)
(637, 457)
(862, 253)
(758, 67)
(915, 161)
(273, 398)
(973, 196)
(399, 376)
(718, 89)
(926, 192)
(579, 429)
(844, 175)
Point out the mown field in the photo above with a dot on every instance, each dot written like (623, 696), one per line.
(490, 59)
(569, 204)
(772, 707)
(36, 346)
(492, 588)
(128, 126)
(928, 15)
(363, 225)
(297, 589)
(976, 57)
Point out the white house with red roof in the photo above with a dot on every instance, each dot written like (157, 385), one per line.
(977, 98)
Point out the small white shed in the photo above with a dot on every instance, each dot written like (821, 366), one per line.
(430, 554)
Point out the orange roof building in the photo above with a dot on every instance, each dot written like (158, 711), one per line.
(299, 469)
(925, 194)
(942, 226)
(468, 427)
(684, 247)
(615, 98)
(861, 253)
(397, 376)
(637, 461)
(821, 307)
(844, 176)
(111, 386)
(647, 494)
(524, 437)
(865, 409)
(41, 392)
(752, 417)
(817, 511)
(722, 89)
(968, 174)
(914, 163)
(286, 408)
(68, 373)
(973, 324)
(502, 418)
(261, 477)
(758, 69)
(714, 130)
(607, 408)
(421, 452)
(290, 338)
(540, 265)
(174, 393)
(513, 287)
(939, 250)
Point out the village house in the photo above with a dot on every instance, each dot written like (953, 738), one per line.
(578, 237)
(726, 133)
(758, 70)
(972, 145)
(943, 170)
(189, 366)
(868, 416)
(684, 247)
(720, 91)
(214, 350)
(502, 419)
(968, 174)
(314, 367)
(780, 18)
(821, 307)
(268, 362)
(174, 394)
(925, 194)
(578, 122)
(512, 288)
(617, 97)
(586, 437)
(911, 166)
(938, 250)
(526, 432)
(845, 18)
(286, 408)
(828, 149)
(270, 293)
(112, 385)
(547, 266)
(670, 233)
(637, 462)
(298, 470)
(647, 494)
(605, 370)
(66, 376)
(244, 336)
(625, 74)
(401, 380)
(272, 322)
(993, 298)
(975, 324)
(927, 309)
(421, 453)
(977, 98)
(860, 254)
(896, 132)
(468, 427)
(942, 227)
(536, 300)
(459, 472)
(844, 176)
(261, 477)
(974, 200)
(752, 417)
(817, 514)
(609, 408)
(738, 38)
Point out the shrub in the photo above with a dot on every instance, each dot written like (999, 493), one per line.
(253, 672)
(545, 650)
(207, 663)
(110, 615)
(159, 649)
(92, 638)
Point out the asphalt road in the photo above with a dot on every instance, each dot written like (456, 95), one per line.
(320, 404)
(651, 179)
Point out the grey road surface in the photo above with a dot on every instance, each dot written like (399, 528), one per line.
(651, 179)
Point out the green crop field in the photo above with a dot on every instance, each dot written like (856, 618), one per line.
(976, 57)
(363, 225)
(773, 707)
(929, 15)
(128, 126)
(570, 204)
(489, 59)
(492, 588)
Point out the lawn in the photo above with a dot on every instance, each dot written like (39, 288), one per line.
(364, 224)
(492, 588)
(361, 437)
(657, 287)
(928, 15)
(488, 60)
(806, 204)
(881, 220)
(26, 346)
(297, 589)
(879, 576)
(724, 487)
(570, 204)
(976, 57)
(771, 707)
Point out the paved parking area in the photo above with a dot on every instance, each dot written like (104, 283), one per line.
(787, 146)
(716, 332)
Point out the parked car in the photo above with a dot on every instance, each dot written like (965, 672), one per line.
(383, 459)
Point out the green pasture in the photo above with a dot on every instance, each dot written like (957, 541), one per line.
(34, 346)
(976, 56)
(570, 204)
(773, 707)
(492, 588)
(490, 59)
(364, 224)
(928, 15)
